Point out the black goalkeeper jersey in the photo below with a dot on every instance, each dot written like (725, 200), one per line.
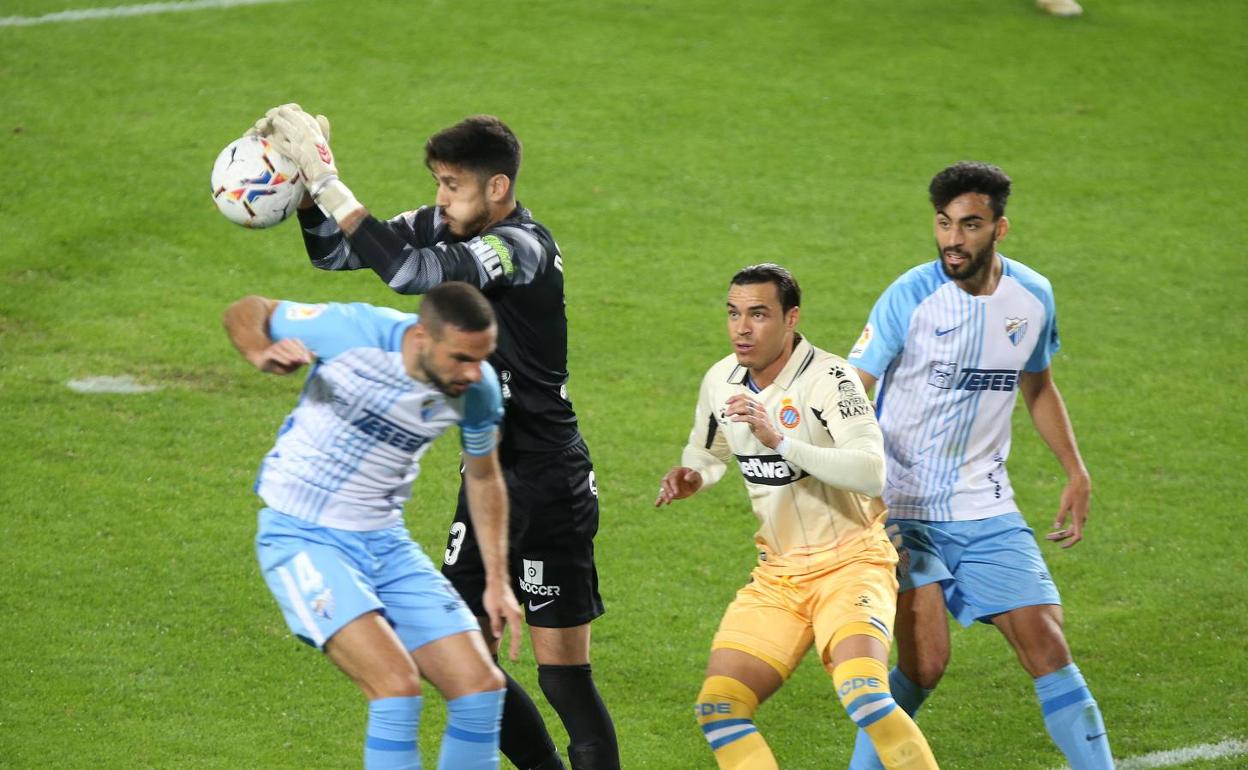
(516, 264)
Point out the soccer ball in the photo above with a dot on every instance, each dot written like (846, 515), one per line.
(253, 184)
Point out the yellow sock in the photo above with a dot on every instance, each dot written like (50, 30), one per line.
(725, 711)
(862, 684)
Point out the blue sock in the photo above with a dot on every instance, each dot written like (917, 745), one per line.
(390, 743)
(1073, 719)
(909, 696)
(471, 738)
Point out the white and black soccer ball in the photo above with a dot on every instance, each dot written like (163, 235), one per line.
(254, 185)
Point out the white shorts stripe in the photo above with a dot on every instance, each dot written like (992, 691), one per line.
(295, 598)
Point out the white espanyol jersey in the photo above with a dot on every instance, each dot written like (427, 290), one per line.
(347, 455)
(948, 365)
(818, 403)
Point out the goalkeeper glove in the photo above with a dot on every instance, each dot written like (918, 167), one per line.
(264, 126)
(300, 137)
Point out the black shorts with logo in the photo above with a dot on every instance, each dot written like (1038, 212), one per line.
(554, 517)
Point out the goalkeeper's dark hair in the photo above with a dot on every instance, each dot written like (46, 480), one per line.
(457, 304)
(482, 144)
(973, 177)
(769, 272)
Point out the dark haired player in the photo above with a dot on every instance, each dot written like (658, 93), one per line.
(478, 233)
(797, 423)
(952, 343)
(331, 540)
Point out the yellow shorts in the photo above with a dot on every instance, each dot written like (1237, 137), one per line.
(778, 614)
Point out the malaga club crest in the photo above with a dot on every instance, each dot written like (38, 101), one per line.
(1016, 329)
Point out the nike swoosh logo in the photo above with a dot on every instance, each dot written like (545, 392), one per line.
(1094, 737)
(535, 607)
(943, 332)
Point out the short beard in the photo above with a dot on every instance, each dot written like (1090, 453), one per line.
(473, 228)
(442, 385)
(978, 263)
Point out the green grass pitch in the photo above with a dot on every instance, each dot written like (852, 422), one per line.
(667, 144)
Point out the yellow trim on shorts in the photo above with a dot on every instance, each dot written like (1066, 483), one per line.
(784, 671)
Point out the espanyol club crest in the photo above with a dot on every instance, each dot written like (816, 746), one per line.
(789, 415)
(1016, 329)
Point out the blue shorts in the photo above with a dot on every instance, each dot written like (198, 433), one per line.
(986, 566)
(323, 578)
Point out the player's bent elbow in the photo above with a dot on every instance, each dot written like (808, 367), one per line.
(874, 486)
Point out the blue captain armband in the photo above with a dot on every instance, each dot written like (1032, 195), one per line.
(479, 442)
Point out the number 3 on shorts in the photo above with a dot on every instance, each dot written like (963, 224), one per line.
(458, 530)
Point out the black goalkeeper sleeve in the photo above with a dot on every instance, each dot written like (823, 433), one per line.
(379, 248)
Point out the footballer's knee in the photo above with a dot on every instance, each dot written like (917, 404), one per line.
(488, 679)
(1051, 654)
(723, 697)
(1038, 640)
(924, 668)
(394, 683)
(930, 672)
(560, 646)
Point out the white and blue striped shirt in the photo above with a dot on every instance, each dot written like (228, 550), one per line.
(948, 365)
(347, 455)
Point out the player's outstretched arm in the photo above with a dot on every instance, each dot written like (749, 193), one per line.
(1048, 413)
(677, 484)
(247, 324)
(487, 505)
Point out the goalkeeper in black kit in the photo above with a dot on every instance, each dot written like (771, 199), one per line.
(478, 233)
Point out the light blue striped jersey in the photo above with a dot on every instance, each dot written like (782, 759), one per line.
(948, 365)
(347, 455)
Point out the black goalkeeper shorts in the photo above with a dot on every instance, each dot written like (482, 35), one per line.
(554, 517)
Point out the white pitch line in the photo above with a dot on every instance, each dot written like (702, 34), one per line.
(1174, 757)
(144, 9)
(1228, 748)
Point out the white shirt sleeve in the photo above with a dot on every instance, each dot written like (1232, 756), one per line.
(707, 451)
(856, 463)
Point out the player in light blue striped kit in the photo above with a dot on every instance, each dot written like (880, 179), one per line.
(332, 543)
(951, 343)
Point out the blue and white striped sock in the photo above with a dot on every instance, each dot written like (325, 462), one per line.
(909, 696)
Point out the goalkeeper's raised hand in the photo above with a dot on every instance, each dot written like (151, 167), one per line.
(264, 126)
(303, 139)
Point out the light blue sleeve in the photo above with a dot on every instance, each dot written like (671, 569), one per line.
(889, 322)
(483, 411)
(331, 328)
(1048, 341)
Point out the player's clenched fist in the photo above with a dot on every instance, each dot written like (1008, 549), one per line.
(282, 357)
(742, 408)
